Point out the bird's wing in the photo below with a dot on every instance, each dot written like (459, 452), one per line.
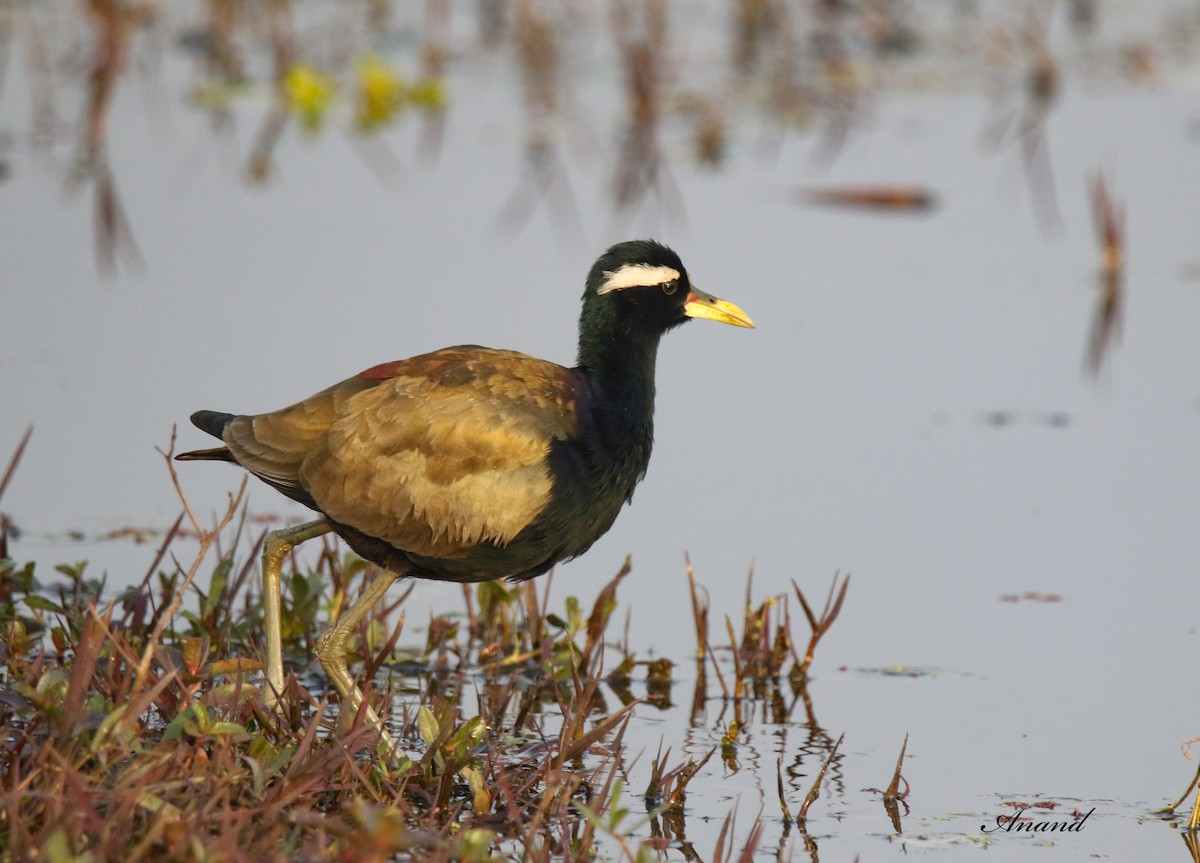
(273, 446)
(434, 455)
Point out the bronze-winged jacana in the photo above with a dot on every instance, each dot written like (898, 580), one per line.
(469, 464)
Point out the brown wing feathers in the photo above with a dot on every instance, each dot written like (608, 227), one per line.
(433, 455)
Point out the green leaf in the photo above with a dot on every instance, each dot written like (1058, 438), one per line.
(616, 812)
(353, 565)
(481, 800)
(493, 591)
(239, 665)
(40, 603)
(300, 591)
(199, 713)
(258, 778)
(75, 573)
(467, 737)
(427, 725)
(218, 728)
(216, 588)
(174, 729)
(54, 680)
(58, 850)
(105, 731)
(194, 651)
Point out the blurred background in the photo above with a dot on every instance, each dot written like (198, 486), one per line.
(967, 232)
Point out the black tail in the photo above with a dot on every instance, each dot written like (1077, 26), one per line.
(214, 423)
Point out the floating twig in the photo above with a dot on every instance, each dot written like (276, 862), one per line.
(898, 198)
(1109, 217)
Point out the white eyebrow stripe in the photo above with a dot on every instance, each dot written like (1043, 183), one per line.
(637, 276)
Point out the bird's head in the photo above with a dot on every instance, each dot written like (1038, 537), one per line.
(644, 284)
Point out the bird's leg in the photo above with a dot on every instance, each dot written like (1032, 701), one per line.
(331, 651)
(278, 545)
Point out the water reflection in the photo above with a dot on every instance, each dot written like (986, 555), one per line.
(495, 658)
(801, 71)
(1020, 111)
(538, 33)
(113, 23)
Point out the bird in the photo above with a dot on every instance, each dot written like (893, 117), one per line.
(468, 463)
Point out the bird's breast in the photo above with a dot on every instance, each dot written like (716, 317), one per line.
(594, 476)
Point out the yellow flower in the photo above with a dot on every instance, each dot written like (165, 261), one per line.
(309, 92)
(429, 93)
(380, 93)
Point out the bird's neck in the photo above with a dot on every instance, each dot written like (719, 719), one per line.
(619, 367)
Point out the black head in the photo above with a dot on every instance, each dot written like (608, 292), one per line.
(641, 285)
(642, 282)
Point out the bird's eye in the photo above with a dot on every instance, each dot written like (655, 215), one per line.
(670, 287)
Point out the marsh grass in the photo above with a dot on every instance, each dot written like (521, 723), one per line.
(184, 761)
(111, 756)
(134, 727)
(509, 747)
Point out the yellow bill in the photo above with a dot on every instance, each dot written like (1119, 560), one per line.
(702, 305)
